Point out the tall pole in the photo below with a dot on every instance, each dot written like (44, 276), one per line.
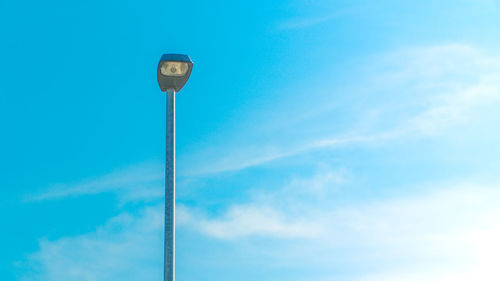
(169, 272)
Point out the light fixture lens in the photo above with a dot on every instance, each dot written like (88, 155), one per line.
(174, 68)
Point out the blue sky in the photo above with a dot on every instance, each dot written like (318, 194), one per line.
(316, 140)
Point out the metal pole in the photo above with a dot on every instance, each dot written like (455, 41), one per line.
(169, 273)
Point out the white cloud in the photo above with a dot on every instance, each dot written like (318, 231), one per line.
(128, 247)
(453, 83)
(459, 107)
(442, 232)
(248, 220)
(275, 213)
(445, 232)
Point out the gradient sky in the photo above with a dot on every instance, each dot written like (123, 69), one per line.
(316, 140)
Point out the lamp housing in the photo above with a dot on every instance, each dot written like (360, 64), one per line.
(174, 71)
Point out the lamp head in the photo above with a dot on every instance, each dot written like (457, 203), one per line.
(173, 71)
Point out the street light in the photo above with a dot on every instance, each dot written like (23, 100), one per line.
(173, 72)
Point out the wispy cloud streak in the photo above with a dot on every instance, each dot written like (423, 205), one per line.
(135, 183)
(299, 23)
(439, 88)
